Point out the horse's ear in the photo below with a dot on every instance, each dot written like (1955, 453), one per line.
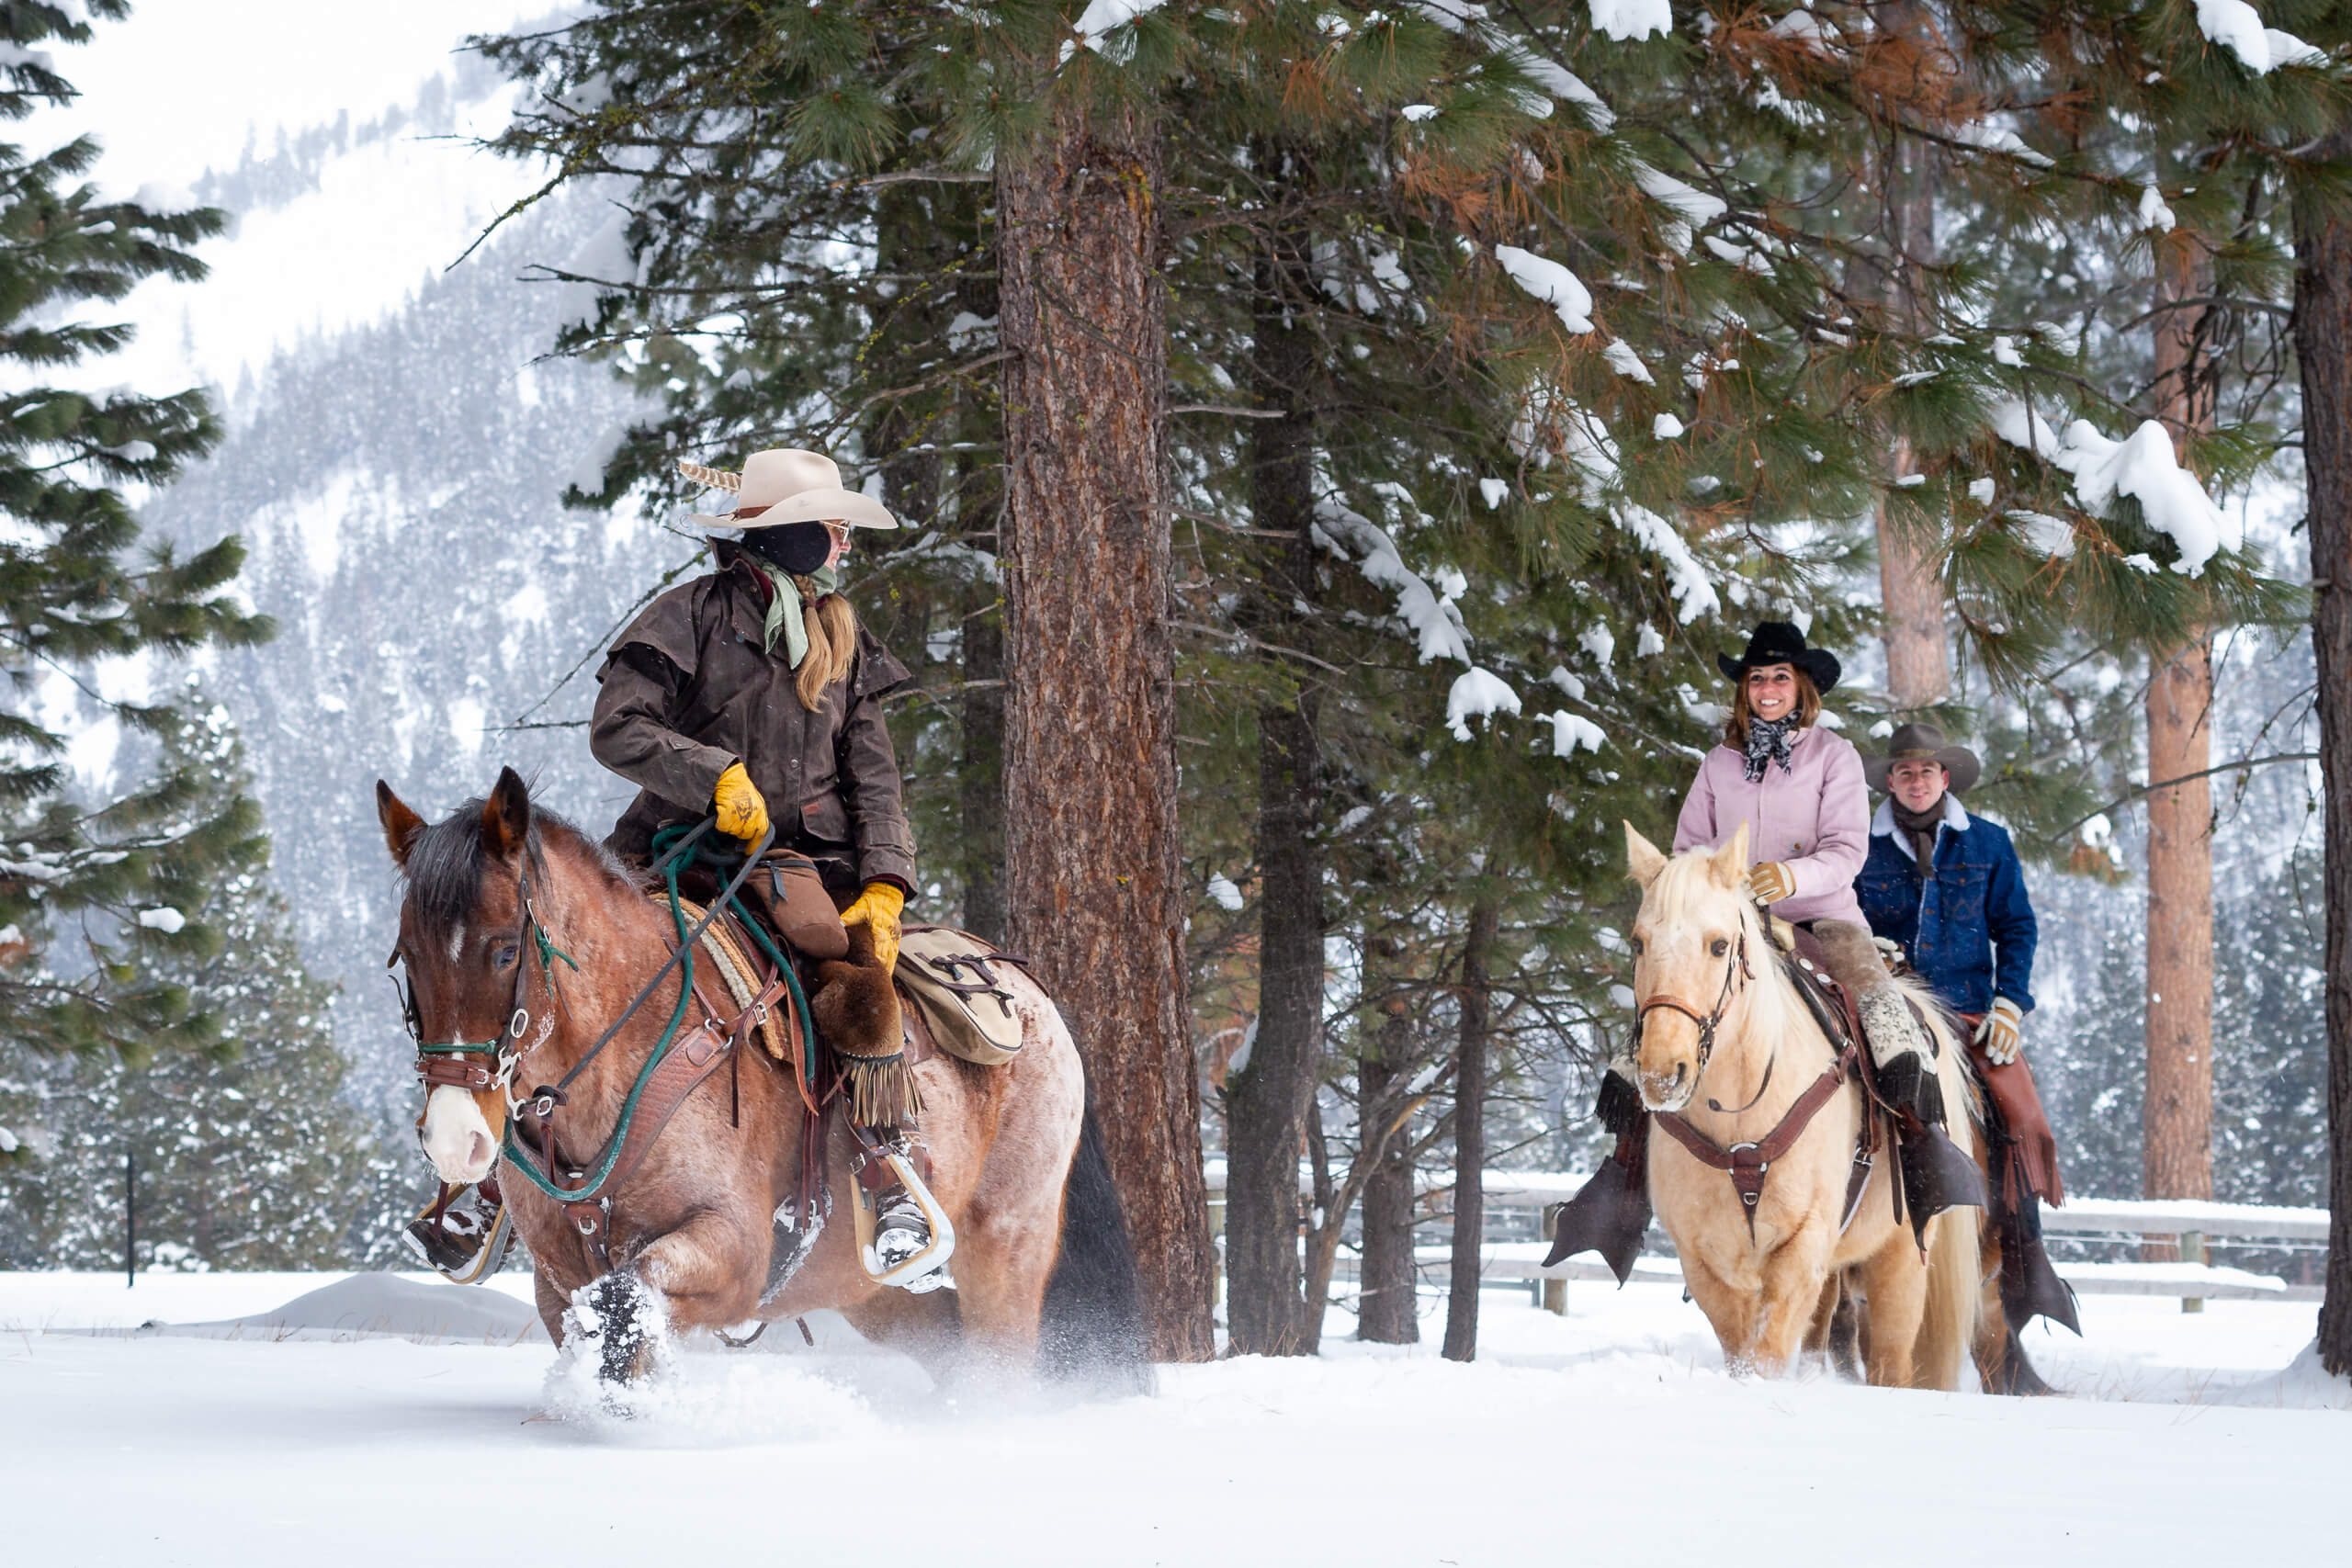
(1644, 860)
(506, 816)
(1729, 868)
(400, 825)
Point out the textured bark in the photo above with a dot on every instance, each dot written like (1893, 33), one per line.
(979, 782)
(2176, 1155)
(1092, 881)
(1470, 1132)
(1268, 1101)
(2323, 351)
(1388, 1311)
(2177, 1159)
(1911, 592)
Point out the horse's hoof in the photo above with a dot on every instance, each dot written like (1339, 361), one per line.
(623, 1320)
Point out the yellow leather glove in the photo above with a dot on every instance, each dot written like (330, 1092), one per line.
(879, 907)
(2002, 1033)
(1769, 882)
(743, 814)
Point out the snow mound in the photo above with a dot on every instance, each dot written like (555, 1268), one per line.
(2303, 1384)
(379, 1304)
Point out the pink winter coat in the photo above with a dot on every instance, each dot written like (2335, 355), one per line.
(1815, 819)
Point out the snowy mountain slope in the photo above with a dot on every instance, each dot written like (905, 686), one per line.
(394, 462)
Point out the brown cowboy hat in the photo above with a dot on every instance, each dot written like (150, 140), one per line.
(1924, 743)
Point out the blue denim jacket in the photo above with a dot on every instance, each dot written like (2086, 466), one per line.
(1953, 926)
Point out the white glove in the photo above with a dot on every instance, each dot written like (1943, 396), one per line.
(2002, 1033)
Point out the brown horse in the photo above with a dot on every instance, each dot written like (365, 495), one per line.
(517, 928)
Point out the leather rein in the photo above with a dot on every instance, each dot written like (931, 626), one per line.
(662, 1086)
(1747, 1164)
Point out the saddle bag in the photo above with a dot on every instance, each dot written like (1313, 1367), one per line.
(950, 978)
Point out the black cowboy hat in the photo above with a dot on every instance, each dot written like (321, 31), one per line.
(1923, 743)
(1778, 642)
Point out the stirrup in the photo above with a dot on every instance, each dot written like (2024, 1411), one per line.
(909, 1273)
(465, 1253)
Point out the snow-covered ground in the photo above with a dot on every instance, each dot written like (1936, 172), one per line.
(1609, 1435)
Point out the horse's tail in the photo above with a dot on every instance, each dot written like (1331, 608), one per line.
(1955, 1284)
(1092, 1331)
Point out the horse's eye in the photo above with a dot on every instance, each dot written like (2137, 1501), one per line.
(505, 956)
(1719, 947)
(1637, 947)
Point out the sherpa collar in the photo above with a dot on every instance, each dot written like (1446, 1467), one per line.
(1882, 824)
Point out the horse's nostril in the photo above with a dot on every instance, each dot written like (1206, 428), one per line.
(478, 1150)
(1681, 1071)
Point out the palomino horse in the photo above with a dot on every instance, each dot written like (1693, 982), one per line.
(518, 928)
(1728, 1045)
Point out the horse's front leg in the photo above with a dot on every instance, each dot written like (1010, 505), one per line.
(709, 1268)
(1730, 1310)
(1796, 1273)
(1897, 1282)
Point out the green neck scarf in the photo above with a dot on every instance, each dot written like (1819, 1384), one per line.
(784, 609)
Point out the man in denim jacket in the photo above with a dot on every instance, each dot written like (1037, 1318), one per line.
(1948, 889)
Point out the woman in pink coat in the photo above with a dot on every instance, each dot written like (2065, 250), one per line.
(1799, 790)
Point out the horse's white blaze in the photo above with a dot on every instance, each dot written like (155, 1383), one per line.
(457, 1138)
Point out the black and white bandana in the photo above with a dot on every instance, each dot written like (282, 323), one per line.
(1769, 740)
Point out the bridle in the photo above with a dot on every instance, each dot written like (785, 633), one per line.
(480, 1066)
(1747, 1164)
(1735, 968)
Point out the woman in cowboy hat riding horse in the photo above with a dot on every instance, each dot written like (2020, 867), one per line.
(1797, 787)
(751, 690)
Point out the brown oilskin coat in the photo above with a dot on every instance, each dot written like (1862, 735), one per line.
(688, 690)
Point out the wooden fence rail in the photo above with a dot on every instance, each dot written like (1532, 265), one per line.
(1528, 1198)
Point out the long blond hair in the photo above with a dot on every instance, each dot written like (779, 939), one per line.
(831, 626)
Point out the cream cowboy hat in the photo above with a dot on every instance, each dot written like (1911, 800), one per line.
(785, 485)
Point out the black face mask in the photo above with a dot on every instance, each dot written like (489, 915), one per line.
(796, 548)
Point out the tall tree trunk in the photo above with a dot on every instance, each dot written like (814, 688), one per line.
(1388, 1309)
(1911, 591)
(979, 511)
(1267, 1101)
(2176, 1155)
(980, 784)
(1093, 889)
(2324, 351)
(1470, 1130)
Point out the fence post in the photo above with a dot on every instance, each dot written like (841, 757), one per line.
(1554, 1298)
(130, 1219)
(2192, 1250)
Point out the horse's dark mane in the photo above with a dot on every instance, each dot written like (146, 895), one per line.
(445, 861)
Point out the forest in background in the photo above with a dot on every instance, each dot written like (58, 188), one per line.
(1516, 359)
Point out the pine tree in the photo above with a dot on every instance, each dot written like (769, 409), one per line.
(246, 1155)
(119, 874)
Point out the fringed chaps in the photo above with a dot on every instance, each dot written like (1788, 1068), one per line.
(856, 1009)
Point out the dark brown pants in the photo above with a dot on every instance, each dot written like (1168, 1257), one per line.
(788, 892)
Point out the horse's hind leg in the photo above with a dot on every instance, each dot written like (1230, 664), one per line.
(921, 1327)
